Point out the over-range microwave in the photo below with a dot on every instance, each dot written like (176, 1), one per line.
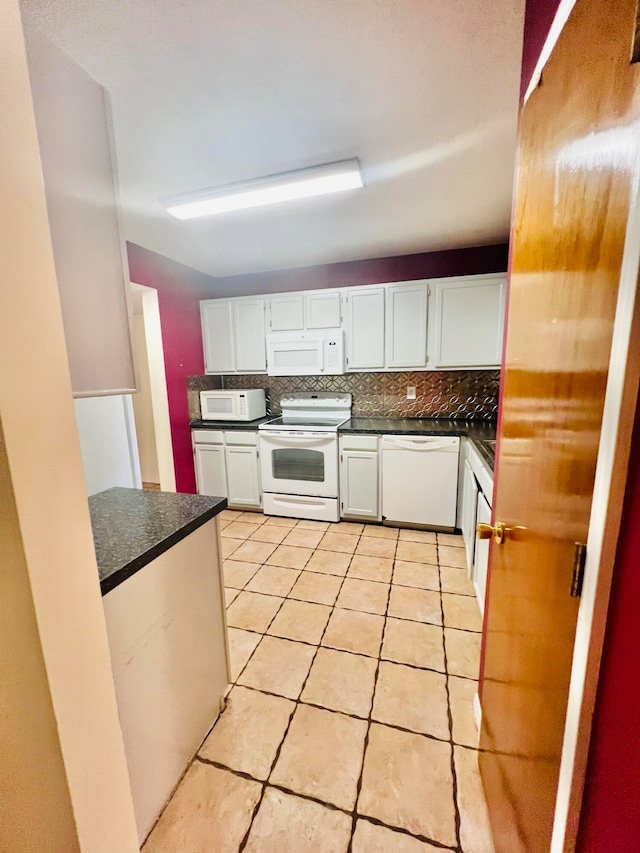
(317, 353)
(233, 405)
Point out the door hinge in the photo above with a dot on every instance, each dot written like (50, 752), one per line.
(577, 575)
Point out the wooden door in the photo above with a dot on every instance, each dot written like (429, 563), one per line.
(578, 147)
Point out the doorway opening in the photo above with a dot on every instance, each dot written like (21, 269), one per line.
(151, 403)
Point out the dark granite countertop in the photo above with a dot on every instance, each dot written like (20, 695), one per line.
(131, 527)
(227, 425)
(480, 432)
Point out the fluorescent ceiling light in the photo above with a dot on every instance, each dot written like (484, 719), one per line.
(318, 180)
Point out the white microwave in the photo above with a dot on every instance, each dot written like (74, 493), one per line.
(317, 353)
(233, 405)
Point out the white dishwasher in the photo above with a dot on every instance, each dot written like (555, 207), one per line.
(420, 479)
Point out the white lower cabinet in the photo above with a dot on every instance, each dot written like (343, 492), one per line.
(227, 465)
(360, 477)
(469, 509)
(476, 479)
(481, 557)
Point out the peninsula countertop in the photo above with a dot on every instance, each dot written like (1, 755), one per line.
(131, 527)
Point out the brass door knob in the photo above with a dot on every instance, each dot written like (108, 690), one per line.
(486, 531)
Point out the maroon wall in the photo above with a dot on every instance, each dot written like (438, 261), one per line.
(538, 17)
(480, 259)
(179, 289)
(610, 817)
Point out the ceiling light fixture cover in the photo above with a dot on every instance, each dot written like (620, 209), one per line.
(304, 183)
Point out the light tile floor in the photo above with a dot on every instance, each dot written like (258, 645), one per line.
(350, 727)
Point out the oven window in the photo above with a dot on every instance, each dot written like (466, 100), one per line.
(294, 463)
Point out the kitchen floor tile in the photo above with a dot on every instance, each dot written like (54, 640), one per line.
(281, 521)
(298, 620)
(303, 538)
(223, 522)
(254, 552)
(321, 756)
(241, 646)
(229, 515)
(273, 580)
(211, 809)
(461, 611)
(228, 546)
(475, 831)
(310, 524)
(420, 575)
(369, 546)
(230, 595)
(456, 581)
(338, 542)
(278, 666)
(354, 632)
(289, 824)
(412, 699)
(462, 693)
(454, 539)
(424, 536)
(417, 552)
(366, 596)
(329, 563)
(238, 530)
(237, 573)
(414, 643)
(451, 556)
(316, 588)
(421, 605)
(463, 652)
(268, 533)
(291, 557)
(407, 782)
(349, 527)
(341, 681)
(248, 732)
(253, 611)
(377, 531)
(252, 517)
(370, 838)
(371, 568)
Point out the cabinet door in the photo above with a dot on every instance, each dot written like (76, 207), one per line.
(248, 324)
(211, 474)
(365, 328)
(469, 501)
(322, 310)
(217, 336)
(286, 313)
(481, 560)
(468, 322)
(359, 483)
(242, 476)
(406, 325)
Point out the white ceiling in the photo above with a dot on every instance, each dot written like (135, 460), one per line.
(208, 92)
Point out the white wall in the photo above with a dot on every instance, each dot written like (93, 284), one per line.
(143, 405)
(108, 442)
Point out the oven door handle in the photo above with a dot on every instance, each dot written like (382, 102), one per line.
(291, 440)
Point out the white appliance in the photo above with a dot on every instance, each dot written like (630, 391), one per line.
(314, 353)
(233, 405)
(299, 456)
(420, 479)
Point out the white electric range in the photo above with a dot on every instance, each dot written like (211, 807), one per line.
(299, 456)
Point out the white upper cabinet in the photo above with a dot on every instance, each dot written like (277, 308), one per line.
(406, 326)
(217, 336)
(365, 328)
(249, 333)
(286, 313)
(467, 322)
(322, 309)
(233, 334)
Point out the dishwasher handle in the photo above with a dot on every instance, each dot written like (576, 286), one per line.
(421, 445)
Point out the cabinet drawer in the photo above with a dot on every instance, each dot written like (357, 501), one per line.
(208, 436)
(240, 437)
(358, 442)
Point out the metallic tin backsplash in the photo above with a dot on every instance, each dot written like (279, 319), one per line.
(464, 394)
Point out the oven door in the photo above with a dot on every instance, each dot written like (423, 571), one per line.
(294, 463)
